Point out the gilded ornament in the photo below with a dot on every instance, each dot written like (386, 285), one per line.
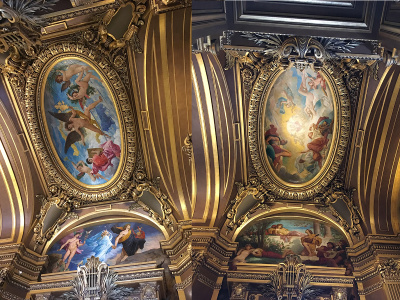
(54, 176)
(262, 86)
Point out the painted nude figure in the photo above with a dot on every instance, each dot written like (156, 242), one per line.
(257, 252)
(71, 246)
(74, 124)
(71, 71)
(310, 99)
(83, 84)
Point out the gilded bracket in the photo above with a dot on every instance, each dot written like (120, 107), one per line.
(138, 185)
(187, 147)
(20, 37)
(55, 210)
(335, 195)
(255, 188)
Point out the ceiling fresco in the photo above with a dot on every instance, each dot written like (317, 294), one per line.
(298, 116)
(81, 121)
(298, 124)
(192, 175)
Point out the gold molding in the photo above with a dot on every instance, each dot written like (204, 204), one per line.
(10, 187)
(163, 6)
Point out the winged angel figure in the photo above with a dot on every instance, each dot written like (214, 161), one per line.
(75, 121)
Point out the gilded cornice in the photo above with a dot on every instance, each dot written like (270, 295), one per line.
(319, 277)
(8, 296)
(374, 240)
(163, 6)
(19, 266)
(184, 284)
(370, 289)
(134, 275)
(208, 282)
(98, 7)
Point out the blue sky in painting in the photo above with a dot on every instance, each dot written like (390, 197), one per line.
(94, 247)
(104, 113)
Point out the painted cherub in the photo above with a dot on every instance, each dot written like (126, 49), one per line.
(75, 120)
(83, 84)
(67, 74)
(71, 246)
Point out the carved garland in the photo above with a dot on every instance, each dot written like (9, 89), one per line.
(258, 97)
(32, 93)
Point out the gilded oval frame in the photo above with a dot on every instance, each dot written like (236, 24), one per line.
(55, 173)
(292, 191)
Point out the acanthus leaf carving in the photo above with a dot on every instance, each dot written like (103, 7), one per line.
(389, 269)
(301, 51)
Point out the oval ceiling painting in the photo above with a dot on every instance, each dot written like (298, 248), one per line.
(81, 121)
(298, 125)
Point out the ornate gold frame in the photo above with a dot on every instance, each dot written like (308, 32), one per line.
(44, 76)
(281, 189)
(55, 174)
